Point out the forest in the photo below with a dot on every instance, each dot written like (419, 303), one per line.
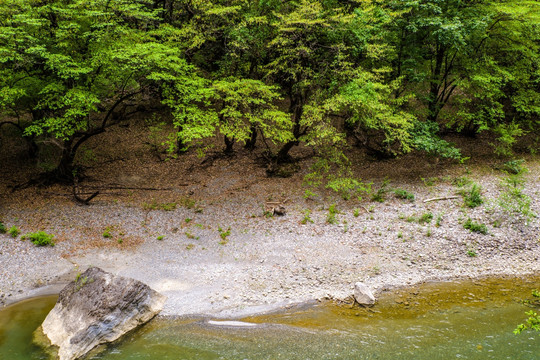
(387, 76)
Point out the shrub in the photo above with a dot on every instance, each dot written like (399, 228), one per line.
(404, 194)
(462, 181)
(512, 199)
(473, 197)
(40, 238)
(533, 321)
(439, 220)
(307, 217)
(14, 231)
(332, 212)
(515, 167)
(224, 234)
(380, 195)
(426, 218)
(107, 233)
(475, 227)
(3, 229)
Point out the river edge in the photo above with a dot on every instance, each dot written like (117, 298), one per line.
(220, 255)
(417, 298)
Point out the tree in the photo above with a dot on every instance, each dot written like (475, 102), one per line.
(308, 62)
(74, 66)
(246, 106)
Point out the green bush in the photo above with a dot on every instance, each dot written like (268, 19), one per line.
(475, 227)
(473, 197)
(533, 320)
(40, 238)
(332, 212)
(14, 231)
(3, 229)
(515, 167)
(426, 218)
(307, 217)
(404, 194)
(380, 195)
(107, 233)
(513, 200)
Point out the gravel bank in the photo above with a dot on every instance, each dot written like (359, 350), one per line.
(267, 263)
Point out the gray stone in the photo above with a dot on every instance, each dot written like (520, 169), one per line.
(98, 308)
(363, 295)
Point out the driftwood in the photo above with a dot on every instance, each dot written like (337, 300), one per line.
(442, 198)
(275, 207)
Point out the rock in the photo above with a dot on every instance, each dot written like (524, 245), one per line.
(363, 295)
(98, 308)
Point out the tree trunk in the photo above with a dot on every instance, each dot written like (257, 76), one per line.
(229, 143)
(434, 105)
(297, 109)
(250, 144)
(64, 170)
(283, 153)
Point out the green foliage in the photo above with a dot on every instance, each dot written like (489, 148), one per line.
(380, 194)
(332, 213)
(438, 221)
(515, 167)
(154, 205)
(160, 237)
(332, 169)
(307, 217)
(107, 233)
(223, 234)
(81, 281)
(512, 199)
(426, 139)
(404, 194)
(91, 61)
(475, 227)
(40, 238)
(507, 135)
(14, 231)
(389, 75)
(191, 236)
(533, 320)
(471, 253)
(462, 181)
(245, 105)
(3, 228)
(473, 197)
(411, 218)
(374, 116)
(425, 218)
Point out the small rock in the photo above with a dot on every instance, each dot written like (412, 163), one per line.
(363, 295)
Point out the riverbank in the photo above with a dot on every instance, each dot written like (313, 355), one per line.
(211, 249)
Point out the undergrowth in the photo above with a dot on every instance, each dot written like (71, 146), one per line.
(40, 238)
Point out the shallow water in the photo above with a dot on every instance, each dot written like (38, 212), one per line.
(460, 320)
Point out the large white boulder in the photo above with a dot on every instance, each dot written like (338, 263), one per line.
(97, 308)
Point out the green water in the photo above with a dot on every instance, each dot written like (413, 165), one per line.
(459, 320)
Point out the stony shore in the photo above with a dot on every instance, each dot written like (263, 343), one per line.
(220, 256)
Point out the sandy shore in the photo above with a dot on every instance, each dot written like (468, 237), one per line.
(269, 262)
